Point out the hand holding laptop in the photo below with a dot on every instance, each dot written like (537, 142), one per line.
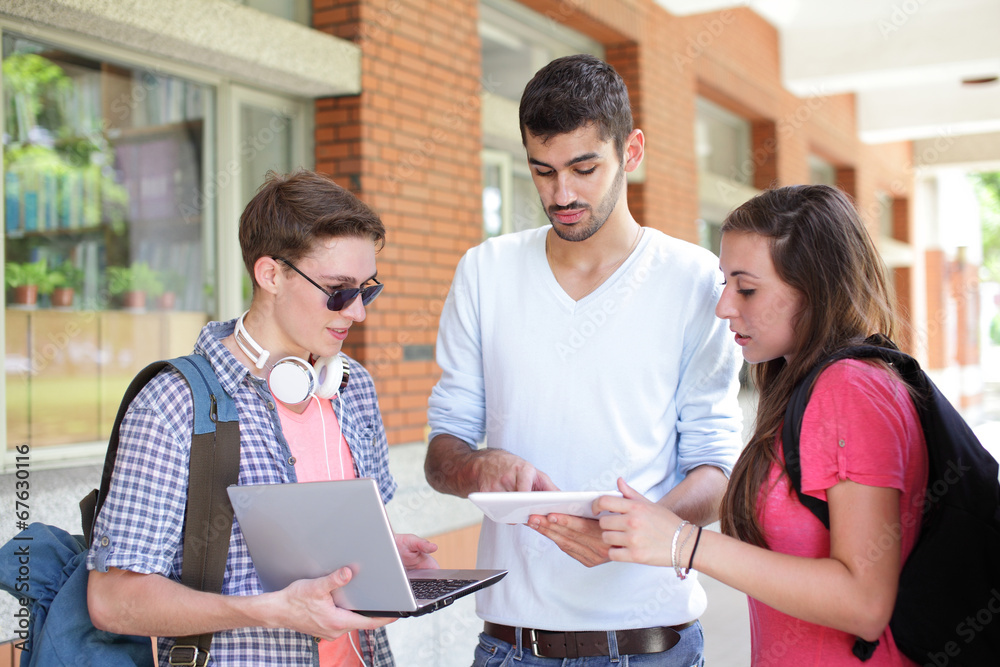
(307, 606)
(302, 531)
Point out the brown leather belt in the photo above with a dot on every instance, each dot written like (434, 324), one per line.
(551, 644)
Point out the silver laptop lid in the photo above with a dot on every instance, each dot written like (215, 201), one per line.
(308, 530)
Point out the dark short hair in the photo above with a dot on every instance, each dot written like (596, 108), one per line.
(572, 92)
(291, 212)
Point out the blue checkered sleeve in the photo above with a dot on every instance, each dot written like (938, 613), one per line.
(153, 451)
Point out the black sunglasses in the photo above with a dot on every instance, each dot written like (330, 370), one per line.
(342, 298)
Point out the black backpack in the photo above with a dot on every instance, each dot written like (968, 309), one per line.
(947, 609)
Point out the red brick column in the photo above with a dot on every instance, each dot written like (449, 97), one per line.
(409, 145)
(764, 145)
(937, 314)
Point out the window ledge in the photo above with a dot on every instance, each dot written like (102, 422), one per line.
(240, 42)
(51, 457)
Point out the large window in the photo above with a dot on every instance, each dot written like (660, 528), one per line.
(821, 172)
(725, 168)
(270, 136)
(104, 233)
(120, 205)
(722, 143)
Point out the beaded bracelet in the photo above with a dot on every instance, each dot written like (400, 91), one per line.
(675, 557)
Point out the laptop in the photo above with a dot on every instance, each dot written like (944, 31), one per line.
(310, 529)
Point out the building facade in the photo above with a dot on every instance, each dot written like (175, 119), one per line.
(135, 134)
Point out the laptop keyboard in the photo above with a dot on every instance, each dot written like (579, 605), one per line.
(429, 589)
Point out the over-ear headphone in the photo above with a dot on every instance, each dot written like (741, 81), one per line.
(292, 379)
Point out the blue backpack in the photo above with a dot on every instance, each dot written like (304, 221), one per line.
(949, 586)
(44, 567)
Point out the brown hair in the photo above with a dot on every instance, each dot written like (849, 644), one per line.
(291, 212)
(820, 247)
(572, 92)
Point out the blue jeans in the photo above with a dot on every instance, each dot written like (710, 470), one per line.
(688, 652)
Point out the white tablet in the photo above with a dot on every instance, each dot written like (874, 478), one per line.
(517, 506)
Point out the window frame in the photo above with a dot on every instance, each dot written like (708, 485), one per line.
(221, 149)
(718, 193)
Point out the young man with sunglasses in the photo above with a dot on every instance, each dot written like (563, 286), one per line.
(309, 246)
(584, 351)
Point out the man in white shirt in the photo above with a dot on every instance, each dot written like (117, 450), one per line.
(583, 352)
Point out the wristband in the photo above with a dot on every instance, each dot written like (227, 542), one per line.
(693, 549)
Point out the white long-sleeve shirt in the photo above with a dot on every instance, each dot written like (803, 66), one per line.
(638, 379)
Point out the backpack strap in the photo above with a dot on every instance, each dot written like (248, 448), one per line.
(214, 465)
(790, 431)
(876, 346)
(208, 522)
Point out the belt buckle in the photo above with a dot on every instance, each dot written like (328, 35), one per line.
(533, 640)
(183, 661)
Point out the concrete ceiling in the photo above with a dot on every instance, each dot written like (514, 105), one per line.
(905, 60)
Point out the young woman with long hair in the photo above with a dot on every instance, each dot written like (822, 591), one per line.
(802, 281)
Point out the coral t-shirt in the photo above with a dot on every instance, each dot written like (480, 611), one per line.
(860, 424)
(319, 456)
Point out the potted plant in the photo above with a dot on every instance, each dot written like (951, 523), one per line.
(25, 279)
(134, 283)
(65, 280)
(173, 283)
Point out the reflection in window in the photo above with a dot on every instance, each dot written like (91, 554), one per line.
(492, 212)
(104, 215)
(725, 168)
(722, 143)
(299, 11)
(821, 172)
(265, 145)
(885, 217)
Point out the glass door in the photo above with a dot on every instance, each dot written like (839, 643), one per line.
(269, 133)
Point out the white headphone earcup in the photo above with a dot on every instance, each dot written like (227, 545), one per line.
(292, 380)
(331, 374)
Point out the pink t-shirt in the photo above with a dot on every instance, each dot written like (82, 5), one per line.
(861, 425)
(319, 456)
(313, 438)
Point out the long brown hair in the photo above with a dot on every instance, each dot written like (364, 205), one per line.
(820, 247)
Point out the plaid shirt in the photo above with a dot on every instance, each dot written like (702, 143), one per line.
(140, 527)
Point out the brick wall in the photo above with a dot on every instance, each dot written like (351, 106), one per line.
(408, 145)
(937, 313)
(964, 292)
